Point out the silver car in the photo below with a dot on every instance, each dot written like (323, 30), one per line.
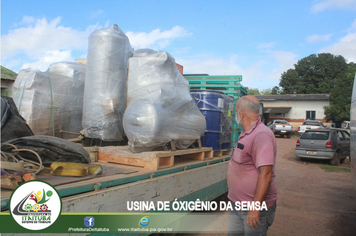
(326, 143)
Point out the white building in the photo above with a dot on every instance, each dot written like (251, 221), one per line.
(295, 108)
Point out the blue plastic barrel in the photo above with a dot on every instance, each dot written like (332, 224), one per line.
(211, 105)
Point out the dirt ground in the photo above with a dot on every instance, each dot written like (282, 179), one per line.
(311, 201)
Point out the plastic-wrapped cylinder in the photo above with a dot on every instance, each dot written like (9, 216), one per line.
(211, 104)
(159, 106)
(74, 74)
(227, 119)
(105, 84)
(53, 100)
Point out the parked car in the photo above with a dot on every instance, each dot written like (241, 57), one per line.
(326, 143)
(281, 127)
(310, 124)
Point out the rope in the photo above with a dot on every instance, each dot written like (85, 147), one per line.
(29, 166)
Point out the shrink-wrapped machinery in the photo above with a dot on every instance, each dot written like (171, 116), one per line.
(160, 108)
(105, 84)
(73, 93)
(53, 100)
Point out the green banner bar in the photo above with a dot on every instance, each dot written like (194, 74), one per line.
(136, 223)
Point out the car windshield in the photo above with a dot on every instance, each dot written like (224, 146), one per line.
(316, 135)
(281, 122)
(312, 123)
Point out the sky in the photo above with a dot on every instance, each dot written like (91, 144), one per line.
(256, 39)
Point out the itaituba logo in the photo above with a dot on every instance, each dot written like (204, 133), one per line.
(35, 205)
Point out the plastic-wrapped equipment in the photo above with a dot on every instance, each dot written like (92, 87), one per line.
(211, 104)
(53, 100)
(159, 106)
(74, 74)
(227, 119)
(105, 84)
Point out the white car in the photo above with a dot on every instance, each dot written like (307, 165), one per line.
(310, 124)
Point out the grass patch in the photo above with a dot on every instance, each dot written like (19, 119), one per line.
(334, 168)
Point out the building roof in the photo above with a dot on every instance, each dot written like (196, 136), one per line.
(276, 109)
(307, 97)
(7, 74)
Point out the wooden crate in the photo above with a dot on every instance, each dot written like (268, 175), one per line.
(224, 152)
(152, 160)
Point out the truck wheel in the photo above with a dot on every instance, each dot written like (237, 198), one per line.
(289, 135)
(336, 160)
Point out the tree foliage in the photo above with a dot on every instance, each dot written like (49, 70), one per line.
(253, 91)
(276, 90)
(314, 74)
(340, 96)
(323, 73)
(269, 91)
(266, 91)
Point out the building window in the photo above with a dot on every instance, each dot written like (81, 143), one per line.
(310, 115)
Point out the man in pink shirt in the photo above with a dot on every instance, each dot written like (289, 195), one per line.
(250, 174)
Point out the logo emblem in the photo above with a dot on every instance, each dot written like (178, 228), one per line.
(144, 221)
(89, 221)
(35, 205)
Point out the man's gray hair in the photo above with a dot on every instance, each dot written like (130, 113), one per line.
(249, 105)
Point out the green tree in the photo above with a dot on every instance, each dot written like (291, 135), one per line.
(266, 91)
(253, 91)
(340, 96)
(290, 82)
(276, 90)
(314, 74)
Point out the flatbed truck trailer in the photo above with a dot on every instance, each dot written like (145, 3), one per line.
(186, 180)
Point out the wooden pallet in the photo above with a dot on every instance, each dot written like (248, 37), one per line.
(93, 153)
(224, 152)
(151, 160)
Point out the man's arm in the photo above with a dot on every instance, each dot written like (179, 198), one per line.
(263, 183)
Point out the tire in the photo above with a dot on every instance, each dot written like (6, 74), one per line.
(336, 160)
(289, 135)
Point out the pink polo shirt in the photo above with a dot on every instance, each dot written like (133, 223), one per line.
(259, 149)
